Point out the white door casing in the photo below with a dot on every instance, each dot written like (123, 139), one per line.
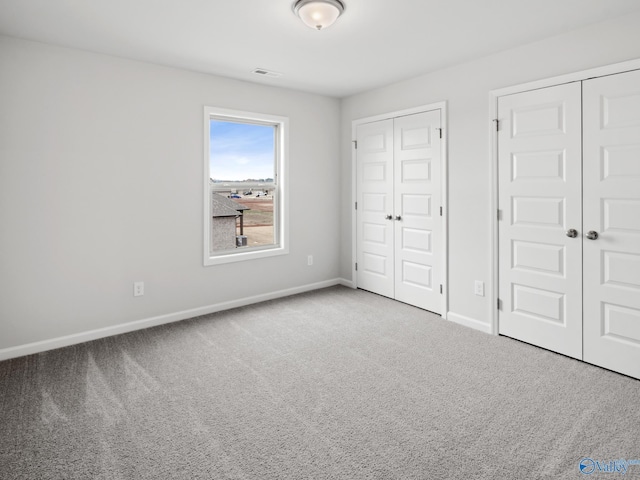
(611, 109)
(539, 175)
(399, 231)
(417, 200)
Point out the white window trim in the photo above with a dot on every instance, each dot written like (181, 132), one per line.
(281, 222)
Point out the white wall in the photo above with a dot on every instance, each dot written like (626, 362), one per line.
(466, 87)
(101, 164)
(100, 182)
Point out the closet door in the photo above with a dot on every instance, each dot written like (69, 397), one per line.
(399, 227)
(418, 226)
(540, 244)
(374, 229)
(612, 211)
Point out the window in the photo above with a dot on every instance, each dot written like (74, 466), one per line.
(245, 190)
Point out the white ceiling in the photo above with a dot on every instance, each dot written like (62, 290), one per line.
(375, 42)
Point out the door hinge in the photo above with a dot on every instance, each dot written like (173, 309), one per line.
(440, 288)
(499, 304)
(439, 130)
(356, 267)
(499, 214)
(355, 143)
(356, 205)
(440, 211)
(497, 124)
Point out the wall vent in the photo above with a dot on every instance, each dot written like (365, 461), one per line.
(266, 73)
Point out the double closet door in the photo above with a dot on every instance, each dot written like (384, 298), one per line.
(398, 222)
(569, 227)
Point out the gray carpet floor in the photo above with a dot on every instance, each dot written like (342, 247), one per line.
(332, 384)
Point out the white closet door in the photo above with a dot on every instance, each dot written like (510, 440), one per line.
(374, 229)
(418, 225)
(612, 210)
(540, 264)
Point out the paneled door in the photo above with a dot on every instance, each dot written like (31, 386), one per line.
(540, 218)
(374, 230)
(416, 146)
(399, 228)
(612, 222)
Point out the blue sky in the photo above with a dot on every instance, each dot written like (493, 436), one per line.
(239, 151)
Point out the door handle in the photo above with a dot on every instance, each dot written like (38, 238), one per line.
(572, 233)
(398, 217)
(389, 217)
(592, 235)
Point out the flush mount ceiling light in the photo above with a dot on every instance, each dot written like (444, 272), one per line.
(318, 14)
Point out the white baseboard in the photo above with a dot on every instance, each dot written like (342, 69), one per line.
(347, 283)
(59, 342)
(469, 322)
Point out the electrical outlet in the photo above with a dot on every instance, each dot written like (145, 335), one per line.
(309, 260)
(479, 288)
(138, 289)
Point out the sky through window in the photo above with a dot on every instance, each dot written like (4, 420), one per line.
(241, 151)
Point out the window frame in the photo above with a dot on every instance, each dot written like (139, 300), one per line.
(281, 208)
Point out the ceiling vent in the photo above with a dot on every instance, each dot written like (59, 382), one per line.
(266, 73)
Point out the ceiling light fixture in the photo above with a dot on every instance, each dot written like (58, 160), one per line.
(318, 14)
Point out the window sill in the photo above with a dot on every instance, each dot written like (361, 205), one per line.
(240, 256)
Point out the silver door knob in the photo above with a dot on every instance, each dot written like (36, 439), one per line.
(389, 217)
(592, 235)
(398, 217)
(572, 233)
